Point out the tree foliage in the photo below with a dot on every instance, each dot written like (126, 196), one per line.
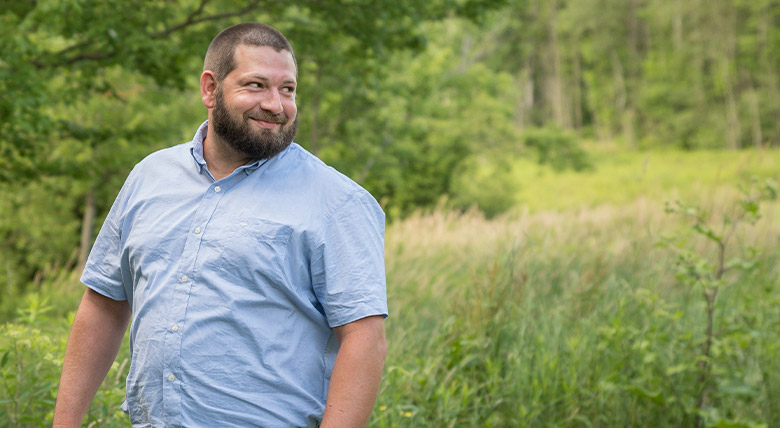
(90, 87)
(418, 101)
(693, 74)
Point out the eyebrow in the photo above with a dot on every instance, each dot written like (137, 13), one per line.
(265, 79)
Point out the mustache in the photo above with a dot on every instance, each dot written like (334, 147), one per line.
(269, 117)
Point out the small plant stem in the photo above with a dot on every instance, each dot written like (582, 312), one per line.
(19, 375)
(705, 362)
(710, 296)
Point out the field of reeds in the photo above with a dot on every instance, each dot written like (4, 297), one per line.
(580, 318)
(590, 317)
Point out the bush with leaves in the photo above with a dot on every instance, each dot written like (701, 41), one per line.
(705, 270)
(31, 354)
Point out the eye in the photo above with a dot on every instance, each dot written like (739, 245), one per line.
(289, 89)
(255, 84)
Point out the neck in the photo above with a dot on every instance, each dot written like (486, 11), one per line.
(221, 159)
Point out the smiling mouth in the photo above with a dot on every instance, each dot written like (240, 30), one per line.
(267, 125)
(268, 122)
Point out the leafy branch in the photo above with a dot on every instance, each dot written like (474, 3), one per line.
(192, 18)
(699, 271)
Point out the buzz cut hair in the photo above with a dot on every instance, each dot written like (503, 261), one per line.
(220, 57)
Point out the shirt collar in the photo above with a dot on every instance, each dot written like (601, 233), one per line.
(197, 145)
(197, 151)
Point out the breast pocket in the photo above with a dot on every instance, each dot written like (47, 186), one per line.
(254, 250)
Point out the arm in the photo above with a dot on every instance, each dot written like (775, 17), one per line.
(354, 383)
(94, 341)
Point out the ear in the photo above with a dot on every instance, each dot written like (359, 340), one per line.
(208, 88)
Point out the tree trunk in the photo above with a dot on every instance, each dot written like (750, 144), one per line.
(677, 25)
(577, 92)
(733, 128)
(555, 81)
(525, 99)
(770, 78)
(520, 100)
(624, 112)
(730, 80)
(631, 72)
(755, 119)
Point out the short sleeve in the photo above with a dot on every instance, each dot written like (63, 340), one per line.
(348, 267)
(103, 271)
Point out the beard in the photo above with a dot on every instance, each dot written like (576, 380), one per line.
(237, 133)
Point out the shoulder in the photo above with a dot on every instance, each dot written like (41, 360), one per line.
(309, 171)
(163, 163)
(169, 165)
(301, 161)
(306, 176)
(168, 156)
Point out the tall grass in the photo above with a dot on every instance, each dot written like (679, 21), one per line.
(560, 318)
(572, 319)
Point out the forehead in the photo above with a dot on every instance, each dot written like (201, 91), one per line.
(264, 60)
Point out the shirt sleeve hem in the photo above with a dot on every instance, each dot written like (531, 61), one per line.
(354, 317)
(119, 297)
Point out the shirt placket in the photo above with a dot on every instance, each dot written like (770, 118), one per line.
(185, 278)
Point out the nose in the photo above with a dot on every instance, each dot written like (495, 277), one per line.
(272, 102)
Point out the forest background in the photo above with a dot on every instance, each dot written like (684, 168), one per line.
(523, 151)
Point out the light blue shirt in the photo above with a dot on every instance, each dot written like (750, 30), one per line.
(235, 285)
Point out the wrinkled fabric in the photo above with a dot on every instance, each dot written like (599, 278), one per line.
(235, 284)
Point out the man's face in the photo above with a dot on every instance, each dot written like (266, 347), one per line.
(254, 110)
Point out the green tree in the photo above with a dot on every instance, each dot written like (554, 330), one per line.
(648, 72)
(433, 109)
(90, 86)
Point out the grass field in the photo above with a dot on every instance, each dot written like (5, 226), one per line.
(573, 319)
(565, 312)
(620, 177)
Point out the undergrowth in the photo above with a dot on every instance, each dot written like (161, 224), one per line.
(569, 319)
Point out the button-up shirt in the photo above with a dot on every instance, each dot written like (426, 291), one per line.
(235, 284)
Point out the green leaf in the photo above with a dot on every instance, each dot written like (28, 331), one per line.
(737, 388)
(732, 424)
(679, 368)
(656, 397)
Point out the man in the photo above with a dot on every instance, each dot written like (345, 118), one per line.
(253, 274)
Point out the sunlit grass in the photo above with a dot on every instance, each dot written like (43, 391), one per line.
(619, 177)
(572, 318)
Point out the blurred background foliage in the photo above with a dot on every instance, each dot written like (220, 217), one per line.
(419, 101)
(522, 150)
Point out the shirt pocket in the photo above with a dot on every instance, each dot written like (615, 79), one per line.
(254, 251)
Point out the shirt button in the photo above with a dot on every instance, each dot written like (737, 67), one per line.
(184, 278)
(217, 189)
(175, 328)
(171, 378)
(197, 230)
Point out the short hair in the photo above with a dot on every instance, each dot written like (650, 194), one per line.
(220, 57)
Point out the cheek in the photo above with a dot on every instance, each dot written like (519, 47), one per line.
(246, 101)
(290, 109)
